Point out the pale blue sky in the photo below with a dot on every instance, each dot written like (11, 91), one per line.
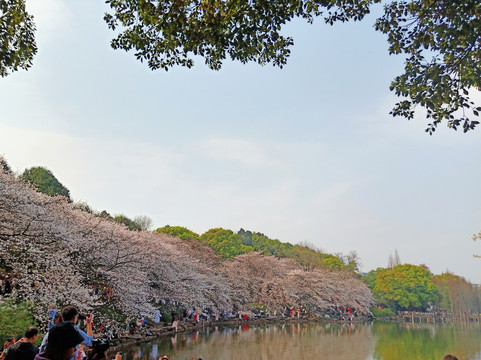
(306, 153)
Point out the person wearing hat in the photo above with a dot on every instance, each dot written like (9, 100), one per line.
(62, 343)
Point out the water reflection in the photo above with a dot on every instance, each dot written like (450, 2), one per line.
(300, 341)
(426, 341)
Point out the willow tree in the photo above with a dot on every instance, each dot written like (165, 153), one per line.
(457, 295)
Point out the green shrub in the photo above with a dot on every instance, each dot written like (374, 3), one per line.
(382, 312)
(167, 317)
(256, 306)
(111, 313)
(14, 319)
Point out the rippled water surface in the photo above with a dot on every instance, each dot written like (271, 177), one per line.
(301, 341)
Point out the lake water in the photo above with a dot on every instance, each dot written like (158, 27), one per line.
(303, 341)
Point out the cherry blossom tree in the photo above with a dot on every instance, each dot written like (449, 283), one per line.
(61, 254)
(280, 282)
(70, 253)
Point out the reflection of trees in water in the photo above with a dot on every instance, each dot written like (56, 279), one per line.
(285, 341)
(401, 341)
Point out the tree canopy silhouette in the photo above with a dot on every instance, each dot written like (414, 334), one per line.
(439, 38)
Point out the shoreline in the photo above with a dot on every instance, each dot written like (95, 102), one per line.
(166, 330)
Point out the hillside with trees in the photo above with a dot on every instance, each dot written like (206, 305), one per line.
(228, 244)
(59, 254)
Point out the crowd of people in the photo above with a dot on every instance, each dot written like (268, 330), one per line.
(66, 340)
(23, 347)
(69, 337)
(63, 341)
(7, 285)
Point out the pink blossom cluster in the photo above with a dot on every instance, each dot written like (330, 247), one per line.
(69, 254)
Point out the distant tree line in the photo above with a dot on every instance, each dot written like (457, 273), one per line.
(225, 242)
(457, 295)
(47, 242)
(229, 244)
(398, 287)
(414, 288)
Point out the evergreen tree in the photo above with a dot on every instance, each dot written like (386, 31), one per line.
(45, 181)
